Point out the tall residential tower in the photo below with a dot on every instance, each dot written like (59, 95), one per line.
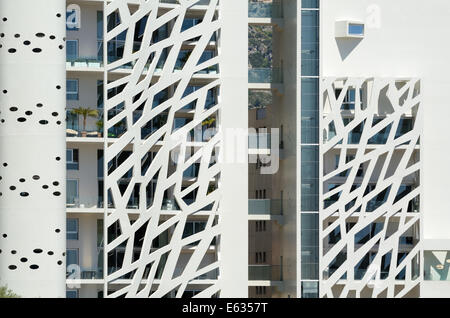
(224, 148)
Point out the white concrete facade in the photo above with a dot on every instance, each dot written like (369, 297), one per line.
(395, 46)
(371, 142)
(32, 183)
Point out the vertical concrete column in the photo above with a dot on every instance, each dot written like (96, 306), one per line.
(32, 147)
(234, 119)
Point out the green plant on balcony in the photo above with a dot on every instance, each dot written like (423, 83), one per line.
(208, 123)
(99, 124)
(85, 113)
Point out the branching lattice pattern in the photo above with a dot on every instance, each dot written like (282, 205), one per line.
(158, 115)
(370, 216)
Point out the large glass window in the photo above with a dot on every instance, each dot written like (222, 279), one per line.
(310, 43)
(193, 227)
(72, 193)
(310, 178)
(71, 293)
(72, 49)
(72, 89)
(310, 4)
(72, 229)
(310, 289)
(310, 245)
(72, 159)
(72, 256)
(310, 111)
(115, 45)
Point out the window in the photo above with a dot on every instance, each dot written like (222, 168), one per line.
(72, 193)
(310, 289)
(71, 123)
(72, 229)
(190, 293)
(189, 23)
(72, 49)
(260, 290)
(72, 293)
(193, 227)
(368, 232)
(355, 29)
(72, 159)
(72, 89)
(350, 98)
(72, 256)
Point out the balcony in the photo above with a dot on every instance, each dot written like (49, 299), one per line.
(85, 274)
(74, 122)
(84, 62)
(265, 10)
(265, 209)
(265, 75)
(271, 273)
(70, 132)
(259, 141)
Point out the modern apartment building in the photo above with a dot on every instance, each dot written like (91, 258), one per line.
(315, 169)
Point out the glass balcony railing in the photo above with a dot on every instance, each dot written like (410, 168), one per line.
(265, 75)
(265, 272)
(259, 141)
(265, 207)
(264, 10)
(72, 201)
(85, 273)
(77, 132)
(84, 61)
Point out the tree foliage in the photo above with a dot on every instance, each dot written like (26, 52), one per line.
(7, 293)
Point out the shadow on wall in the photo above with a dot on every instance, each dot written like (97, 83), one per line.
(346, 46)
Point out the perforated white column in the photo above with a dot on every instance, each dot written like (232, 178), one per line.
(32, 147)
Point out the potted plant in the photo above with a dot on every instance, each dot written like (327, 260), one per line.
(85, 112)
(99, 125)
